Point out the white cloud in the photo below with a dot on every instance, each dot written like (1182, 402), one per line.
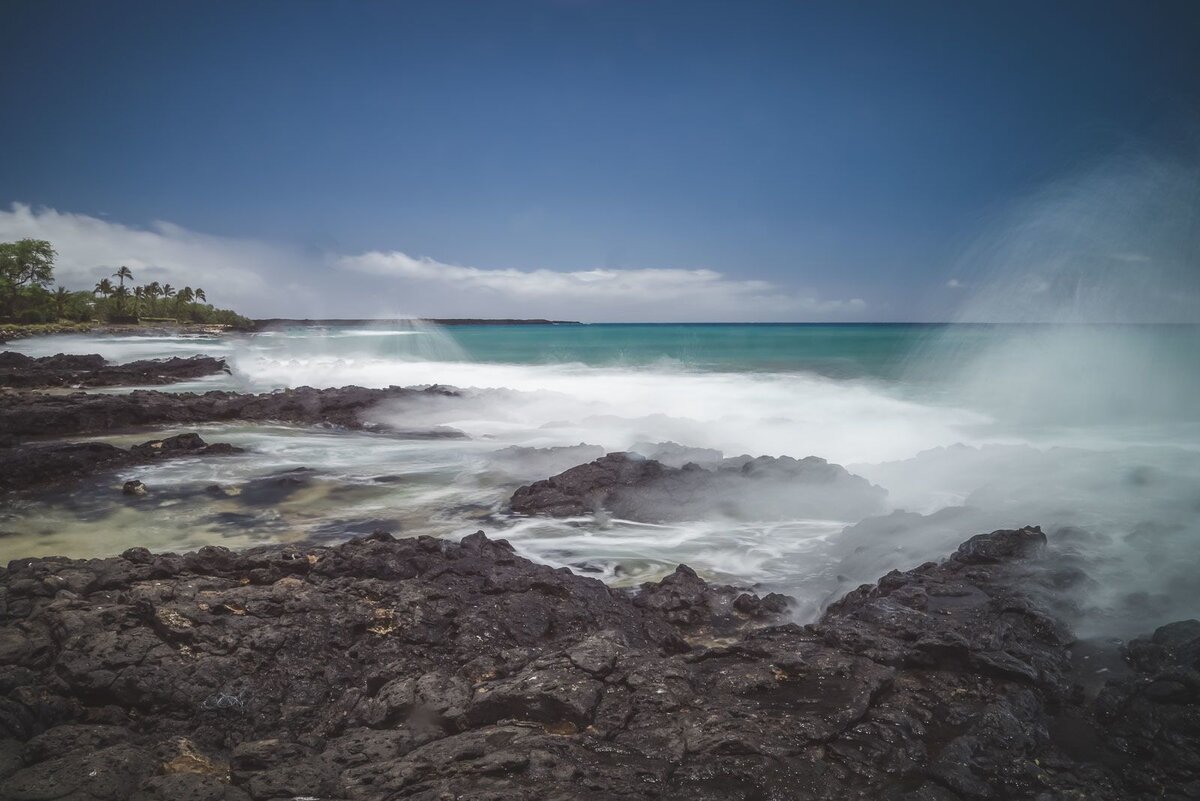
(265, 280)
(954, 283)
(690, 292)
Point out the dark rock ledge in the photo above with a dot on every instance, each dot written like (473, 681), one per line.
(66, 370)
(24, 415)
(424, 669)
(24, 467)
(633, 487)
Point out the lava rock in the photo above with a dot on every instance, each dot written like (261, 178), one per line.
(425, 669)
(26, 466)
(629, 486)
(30, 414)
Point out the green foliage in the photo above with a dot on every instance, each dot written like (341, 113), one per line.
(27, 270)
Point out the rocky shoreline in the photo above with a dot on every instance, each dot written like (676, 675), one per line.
(427, 669)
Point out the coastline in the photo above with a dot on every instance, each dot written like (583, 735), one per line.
(14, 331)
(381, 668)
(272, 322)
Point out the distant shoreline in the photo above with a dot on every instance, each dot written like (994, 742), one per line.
(259, 325)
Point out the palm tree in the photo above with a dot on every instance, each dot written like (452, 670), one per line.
(104, 287)
(139, 294)
(122, 274)
(121, 293)
(60, 300)
(167, 290)
(183, 298)
(152, 291)
(200, 296)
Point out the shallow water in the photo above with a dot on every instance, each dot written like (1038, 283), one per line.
(968, 428)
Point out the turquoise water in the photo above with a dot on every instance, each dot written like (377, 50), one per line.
(837, 350)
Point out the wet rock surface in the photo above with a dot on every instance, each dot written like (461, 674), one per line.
(632, 487)
(425, 669)
(26, 466)
(66, 370)
(30, 414)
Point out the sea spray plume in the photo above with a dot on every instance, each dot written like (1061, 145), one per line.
(1079, 272)
(1080, 265)
(1117, 244)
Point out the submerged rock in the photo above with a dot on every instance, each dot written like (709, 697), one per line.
(425, 669)
(66, 370)
(632, 487)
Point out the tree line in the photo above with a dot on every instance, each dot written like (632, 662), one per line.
(27, 273)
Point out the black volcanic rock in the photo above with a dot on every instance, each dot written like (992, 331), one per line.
(26, 466)
(424, 669)
(65, 370)
(30, 414)
(765, 488)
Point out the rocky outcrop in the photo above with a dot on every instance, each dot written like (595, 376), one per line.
(64, 370)
(632, 487)
(424, 669)
(30, 414)
(27, 466)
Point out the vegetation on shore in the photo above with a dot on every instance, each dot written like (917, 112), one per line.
(27, 273)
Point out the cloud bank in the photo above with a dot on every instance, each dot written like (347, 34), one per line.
(265, 279)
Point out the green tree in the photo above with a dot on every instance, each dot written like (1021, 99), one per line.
(25, 265)
(183, 298)
(104, 288)
(200, 296)
(121, 294)
(61, 296)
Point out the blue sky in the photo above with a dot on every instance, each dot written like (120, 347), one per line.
(594, 160)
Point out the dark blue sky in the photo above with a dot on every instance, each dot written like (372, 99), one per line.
(839, 150)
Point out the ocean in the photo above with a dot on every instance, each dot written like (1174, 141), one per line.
(1092, 432)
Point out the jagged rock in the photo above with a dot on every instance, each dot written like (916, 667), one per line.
(65, 370)
(629, 486)
(424, 669)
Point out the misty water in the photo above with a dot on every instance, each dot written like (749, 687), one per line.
(1091, 431)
